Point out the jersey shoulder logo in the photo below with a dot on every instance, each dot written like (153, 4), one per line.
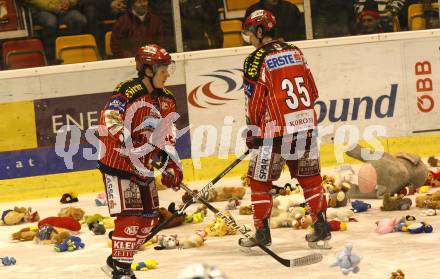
(283, 59)
(252, 64)
(131, 89)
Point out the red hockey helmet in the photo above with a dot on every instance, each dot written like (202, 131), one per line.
(259, 18)
(152, 55)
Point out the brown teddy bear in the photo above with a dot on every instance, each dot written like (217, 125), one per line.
(338, 194)
(397, 275)
(167, 213)
(302, 219)
(431, 201)
(25, 234)
(74, 212)
(395, 203)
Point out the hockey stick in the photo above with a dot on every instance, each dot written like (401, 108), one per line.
(203, 192)
(301, 261)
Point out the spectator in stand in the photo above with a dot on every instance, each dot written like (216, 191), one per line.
(49, 14)
(200, 17)
(432, 19)
(332, 18)
(370, 19)
(137, 27)
(387, 10)
(290, 24)
(164, 10)
(96, 11)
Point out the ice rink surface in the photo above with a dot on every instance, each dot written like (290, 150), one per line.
(417, 255)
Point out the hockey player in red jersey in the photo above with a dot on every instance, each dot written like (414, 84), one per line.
(280, 96)
(134, 131)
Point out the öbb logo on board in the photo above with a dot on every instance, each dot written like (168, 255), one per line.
(382, 106)
(425, 102)
(213, 93)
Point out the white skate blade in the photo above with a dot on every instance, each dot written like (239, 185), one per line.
(321, 245)
(107, 270)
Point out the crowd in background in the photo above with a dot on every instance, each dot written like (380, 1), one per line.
(138, 22)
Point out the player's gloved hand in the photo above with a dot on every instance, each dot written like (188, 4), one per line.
(172, 176)
(250, 139)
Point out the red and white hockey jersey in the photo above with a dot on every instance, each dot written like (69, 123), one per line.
(280, 90)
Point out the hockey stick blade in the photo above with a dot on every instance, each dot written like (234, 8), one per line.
(306, 260)
(204, 191)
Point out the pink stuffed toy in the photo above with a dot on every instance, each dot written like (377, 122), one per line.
(386, 225)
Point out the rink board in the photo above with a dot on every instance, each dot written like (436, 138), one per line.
(383, 86)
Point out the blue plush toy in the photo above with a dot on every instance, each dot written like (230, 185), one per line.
(420, 228)
(70, 244)
(347, 261)
(8, 261)
(360, 206)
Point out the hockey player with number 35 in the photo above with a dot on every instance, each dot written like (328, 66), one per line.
(134, 131)
(282, 126)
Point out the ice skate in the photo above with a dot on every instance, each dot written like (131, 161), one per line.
(115, 272)
(263, 237)
(321, 235)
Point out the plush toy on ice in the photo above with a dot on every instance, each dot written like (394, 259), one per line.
(359, 206)
(143, 266)
(388, 174)
(347, 260)
(19, 215)
(70, 244)
(8, 261)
